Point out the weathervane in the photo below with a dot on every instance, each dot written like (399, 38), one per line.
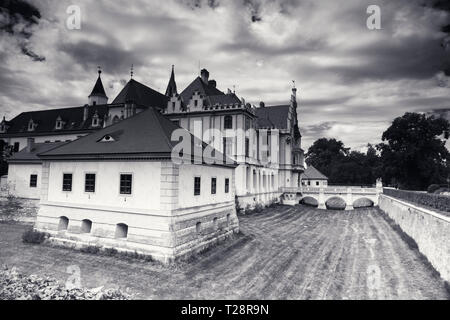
(132, 71)
(293, 82)
(99, 70)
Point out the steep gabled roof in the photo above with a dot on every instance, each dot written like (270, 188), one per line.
(46, 120)
(222, 99)
(32, 156)
(98, 89)
(198, 85)
(273, 116)
(313, 174)
(141, 95)
(146, 134)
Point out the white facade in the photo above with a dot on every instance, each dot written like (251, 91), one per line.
(162, 216)
(19, 179)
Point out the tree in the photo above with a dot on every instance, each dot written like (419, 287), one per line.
(413, 152)
(343, 166)
(325, 153)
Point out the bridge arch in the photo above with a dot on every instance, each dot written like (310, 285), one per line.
(363, 202)
(309, 201)
(335, 203)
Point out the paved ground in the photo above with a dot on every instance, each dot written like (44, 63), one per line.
(283, 253)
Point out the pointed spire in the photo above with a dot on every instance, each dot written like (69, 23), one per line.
(98, 89)
(172, 86)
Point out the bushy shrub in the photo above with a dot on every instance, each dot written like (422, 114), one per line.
(431, 200)
(90, 249)
(335, 204)
(259, 208)
(16, 286)
(309, 201)
(34, 236)
(432, 188)
(363, 203)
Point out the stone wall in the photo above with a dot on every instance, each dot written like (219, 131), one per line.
(430, 230)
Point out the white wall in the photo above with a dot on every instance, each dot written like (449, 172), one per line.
(19, 180)
(186, 185)
(145, 188)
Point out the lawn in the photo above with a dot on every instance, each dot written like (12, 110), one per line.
(283, 253)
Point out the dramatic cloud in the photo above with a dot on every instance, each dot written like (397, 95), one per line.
(352, 81)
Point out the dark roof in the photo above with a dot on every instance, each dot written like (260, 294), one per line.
(46, 120)
(98, 89)
(313, 174)
(172, 86)
(25, 156)
(141, 95)
(222, 99)
(273, 116)
(205, 89)
(146, 134)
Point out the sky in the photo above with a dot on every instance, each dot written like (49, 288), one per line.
(352, 81)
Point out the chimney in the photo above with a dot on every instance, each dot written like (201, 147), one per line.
(85, 112)
(30, 144)
(262, 104)
(205, 75)
(212, 83)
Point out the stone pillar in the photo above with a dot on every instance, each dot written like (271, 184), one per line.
(349, 199)
(321, 199)
(170, 185)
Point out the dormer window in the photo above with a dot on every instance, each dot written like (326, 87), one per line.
(95, 120)
(107, 138)
(31, 125)
(59, 123)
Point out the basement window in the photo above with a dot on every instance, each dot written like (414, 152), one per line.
(63, 223)
(198, 227)
(86, 226)
(121, 231)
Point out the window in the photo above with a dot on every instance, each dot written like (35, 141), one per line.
(196, 186)
(247, 147)
(121, 231)
(67, 182)
(247, 123)
(198, 227)
(89, 182)
(33, 181)
(16, 146)
(317, 183)
(227, 146)
(177, 122)
(125, 183)
(213, 185)
(228, 122)
(227, 185)
(195, 102)
(86, 226)
(63, 223)
(215, 223)
(173, 106)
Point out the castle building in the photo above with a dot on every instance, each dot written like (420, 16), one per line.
(263, 141)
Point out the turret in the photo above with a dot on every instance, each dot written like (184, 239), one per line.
(98, 95)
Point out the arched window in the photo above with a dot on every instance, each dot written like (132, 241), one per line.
(86, 226)
(121, 231)
(198, 227)
(228, 122)
(63, 223)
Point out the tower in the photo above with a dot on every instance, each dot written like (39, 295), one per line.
(98, 95)
(172, 86)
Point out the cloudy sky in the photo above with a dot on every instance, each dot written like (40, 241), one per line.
(352, 81)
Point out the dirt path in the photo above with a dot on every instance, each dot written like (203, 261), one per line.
(283, 253)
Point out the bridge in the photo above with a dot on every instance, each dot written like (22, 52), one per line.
(293, 195)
